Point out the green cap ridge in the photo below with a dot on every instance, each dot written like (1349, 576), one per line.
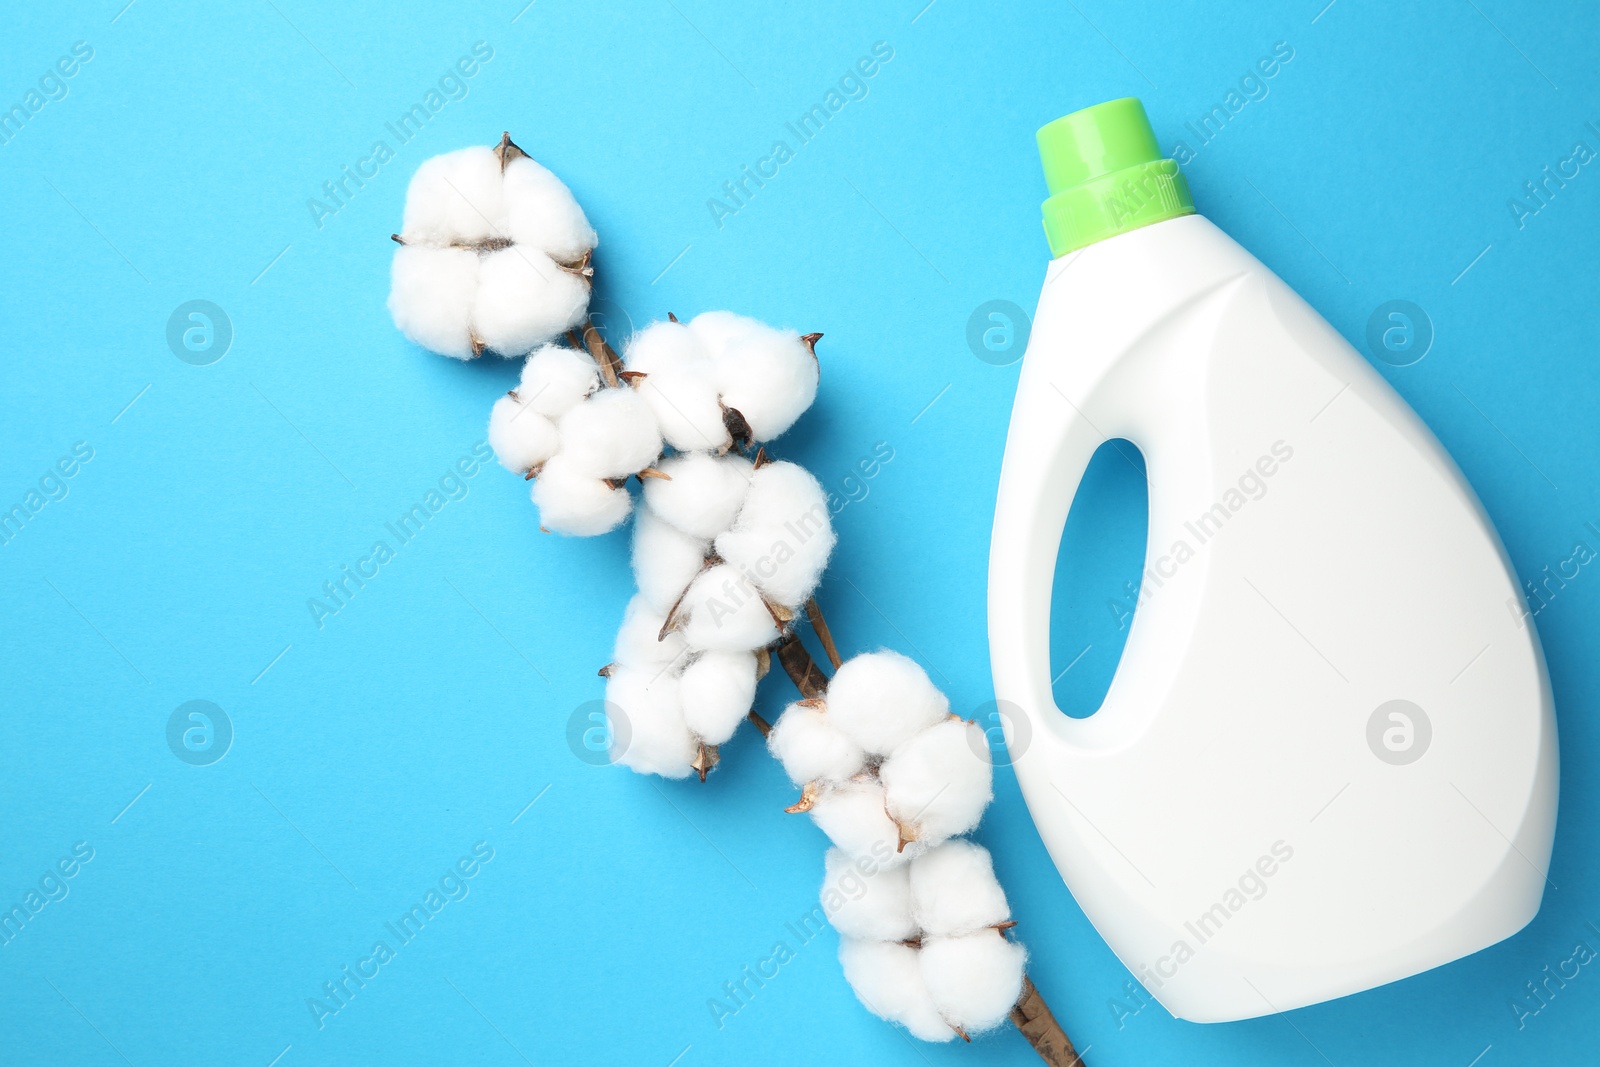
(1106, 176)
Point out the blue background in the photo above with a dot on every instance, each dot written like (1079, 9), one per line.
(369, 754)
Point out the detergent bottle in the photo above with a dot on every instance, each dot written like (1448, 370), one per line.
(1327, 758)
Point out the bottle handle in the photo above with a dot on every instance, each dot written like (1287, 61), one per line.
(1045, 459)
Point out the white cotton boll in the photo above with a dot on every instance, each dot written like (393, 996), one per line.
(783, 535)
(610, 435)
(665, 560)
(555, 379)
(974, 980)
(455, 198)
(704, 494)
(639, 641)
(541, 212)
(665, 346)
(524, 300)
(887, 979)
(431, 297)
(652, 739)
(716, 331)
(571, 502)
(522, 438)
(811, 748)
(718, 690)
(678, 385)
(954, 890)
(862, 899)
(725, 613)
(939, 782)
(770, 377)
(688, 408)
(882, 699)
(853, 816)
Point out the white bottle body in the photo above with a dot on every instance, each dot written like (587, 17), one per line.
(1230, 819)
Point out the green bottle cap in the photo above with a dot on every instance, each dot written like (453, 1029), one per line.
(1106, 176)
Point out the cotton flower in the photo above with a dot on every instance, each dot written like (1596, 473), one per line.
(679, 385)
(887, 979)
(522, 439)
(725, 613)
(937, 784)
(718, 690)
(655, 739)
(555, 379)
(640, 642)
(455, 198)
(524, 299)
(610, 435)
(974, 980)
(954, 890)
(811, 748)
(541, 211)
(571, 502)
(862, 899)
(701, 493)
(853, 817)
(665, 559)
(783, 534)
(432, 295)
(768, 376)
(883, 699)
(494, 255)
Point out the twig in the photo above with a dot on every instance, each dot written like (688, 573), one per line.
(800, 667)
(1033, 1017)
(820, 625)
(603, 353)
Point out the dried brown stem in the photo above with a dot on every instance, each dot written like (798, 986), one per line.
(825, 635)
(800, 667)
(1033, 1017)
(761, 724)
(610, 363)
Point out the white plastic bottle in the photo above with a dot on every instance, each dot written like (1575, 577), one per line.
(1327, 759)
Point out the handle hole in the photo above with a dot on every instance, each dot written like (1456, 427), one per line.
(1098, 571)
